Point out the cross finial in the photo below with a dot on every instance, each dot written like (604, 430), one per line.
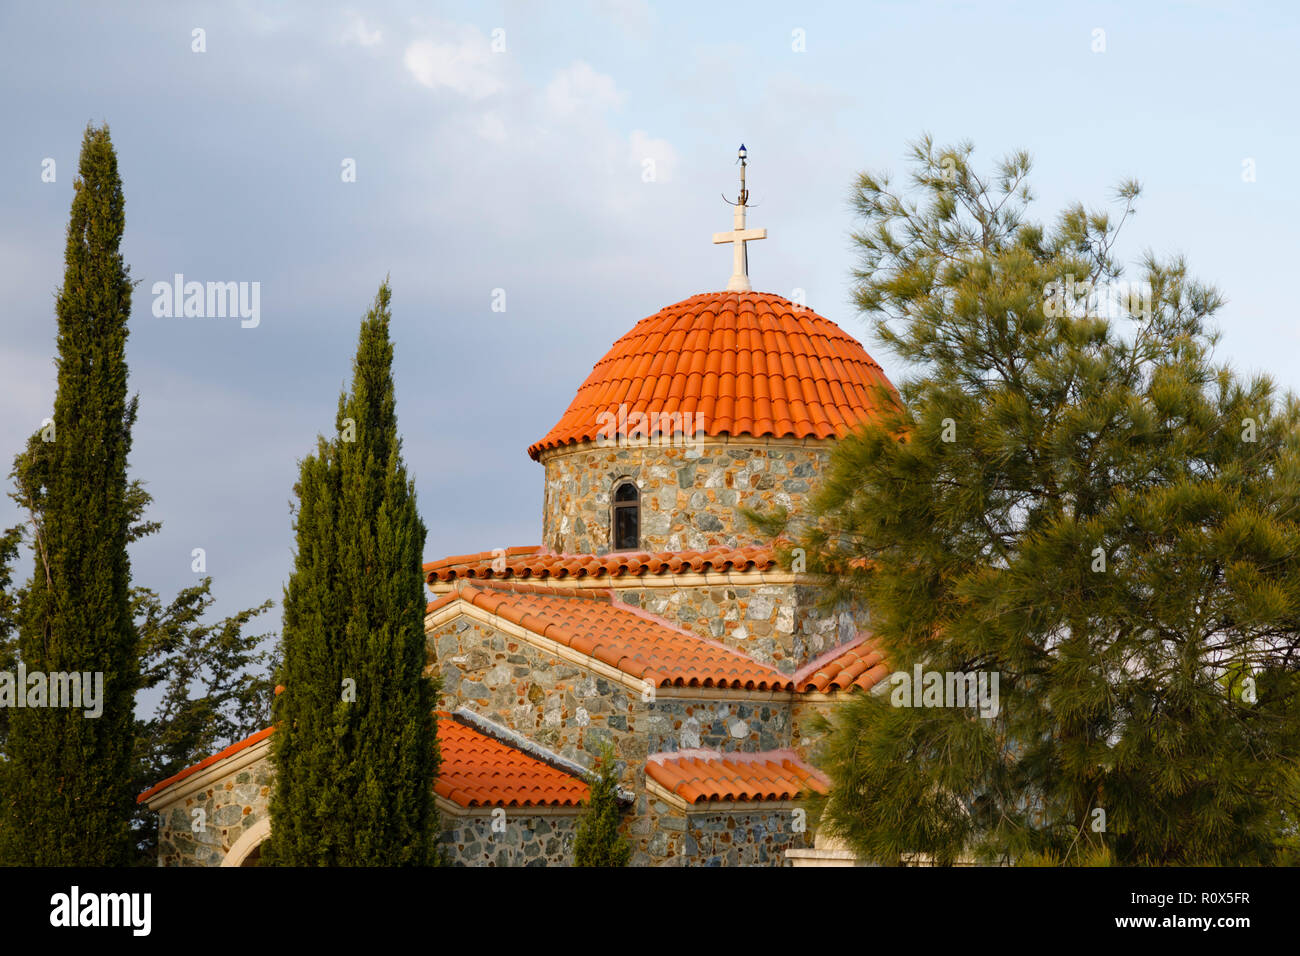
(739, 235)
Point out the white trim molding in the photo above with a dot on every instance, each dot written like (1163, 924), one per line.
(453, 809)
(210, 774)
(631, 582)
(251, 839)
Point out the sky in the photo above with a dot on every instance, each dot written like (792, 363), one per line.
(567, 161)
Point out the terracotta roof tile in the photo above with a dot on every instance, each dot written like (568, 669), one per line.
(858, 664)
(476, 771)
(480, 771)
(533, 562)
(626, 638)
(700, 776)
(749, 363)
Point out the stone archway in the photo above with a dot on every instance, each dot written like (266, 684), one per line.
(248, 844)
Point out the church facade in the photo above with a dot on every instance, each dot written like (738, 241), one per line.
(651, 622)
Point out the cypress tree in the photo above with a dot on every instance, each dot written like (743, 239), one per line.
(10, 542)
(355, 747)
(1068, 493)
(70, 794)
(598, 841)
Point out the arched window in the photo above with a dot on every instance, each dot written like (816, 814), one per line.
(626, 523)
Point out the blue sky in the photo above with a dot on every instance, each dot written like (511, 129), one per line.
(523, 170)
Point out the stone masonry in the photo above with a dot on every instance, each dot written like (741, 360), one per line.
(782, 625)
(228, 808)
(690, 493)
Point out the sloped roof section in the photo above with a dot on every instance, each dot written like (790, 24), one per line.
(481, 771)
(702, 776)
(205, 763)
(534, 562)
(639, 644)
(738, 363)
(478, 770)
(859, 664)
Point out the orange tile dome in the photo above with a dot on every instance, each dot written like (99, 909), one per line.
(740, 363)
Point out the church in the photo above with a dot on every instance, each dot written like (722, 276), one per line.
(651, 620)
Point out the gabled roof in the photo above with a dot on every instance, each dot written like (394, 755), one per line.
(740, 363)
(628, 639)
(858, 664)
(477, 770)
(534, 562)
(205, 763)
(481, 771)
(701, 776)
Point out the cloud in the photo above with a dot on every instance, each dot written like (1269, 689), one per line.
(579, 88)
(461, 60)
(648, 153)
(356, 32)
(492, 128)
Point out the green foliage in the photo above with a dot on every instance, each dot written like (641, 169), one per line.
(1078, 499)
(216, 690)
(10, 542)
(68, 797)
(216, 686)
(598, 841)
(216, 681)
(354, 776)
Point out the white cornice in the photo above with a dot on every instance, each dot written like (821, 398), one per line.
(202, 779)
(722, 693)
(712, 579)
(684, 444)
(454, 809)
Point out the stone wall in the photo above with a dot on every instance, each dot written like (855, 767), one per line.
(805, 737)
(235, 803)
(698, 836)
(750, 838)
(574, 712)
(781, 625)
(690, 493)
(230, 807)
(728, 725)
(519, 839)
(563, 707)
(659, 834)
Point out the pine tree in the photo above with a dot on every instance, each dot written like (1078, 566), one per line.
(598, 841)
(1069, 493)
(69, 796)
(355, 747)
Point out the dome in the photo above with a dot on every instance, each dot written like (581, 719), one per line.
(739, 363)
